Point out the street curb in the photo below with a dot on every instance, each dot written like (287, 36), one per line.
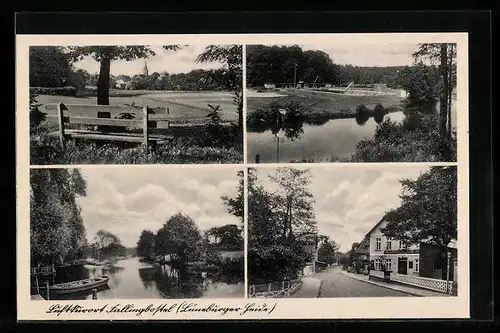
(381, 285)
(319, 289)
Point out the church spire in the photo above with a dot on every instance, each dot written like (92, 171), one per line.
(145, 69)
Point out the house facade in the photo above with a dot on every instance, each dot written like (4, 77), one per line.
(390, 254)
(423, 259)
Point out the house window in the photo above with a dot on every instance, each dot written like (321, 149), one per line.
(402, 245)
(389, 244)
(378, 264)
(410, 264)
(416, 265)
(378, 244)
(388, 264)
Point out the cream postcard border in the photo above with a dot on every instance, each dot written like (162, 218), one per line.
(321, 308)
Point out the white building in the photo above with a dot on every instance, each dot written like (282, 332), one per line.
(393, 255)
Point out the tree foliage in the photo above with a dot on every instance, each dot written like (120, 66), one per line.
(428, 211)
(57, 233)
(235, 205)
(227, 237)
(105, 54)
(180, 238)
(145, 245)
(49, 67)
(327, 250)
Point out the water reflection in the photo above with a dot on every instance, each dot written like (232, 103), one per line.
(307, 141)
(132, 279)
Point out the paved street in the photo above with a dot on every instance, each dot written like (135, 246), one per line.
(336, 284)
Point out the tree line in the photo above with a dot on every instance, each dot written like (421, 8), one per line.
(288, 64)
(283, 234)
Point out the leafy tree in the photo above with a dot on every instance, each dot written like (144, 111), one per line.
(105, 54)
(180, 238)
(428, 212)
(145, 245)
(107, 244)
(57, 234)
(49, 67)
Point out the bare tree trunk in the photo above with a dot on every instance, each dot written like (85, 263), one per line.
(103, 82)
(443, 100)
(450, 90)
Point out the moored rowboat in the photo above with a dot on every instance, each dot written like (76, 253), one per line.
(79, 285)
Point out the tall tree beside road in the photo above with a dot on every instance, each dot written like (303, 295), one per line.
(428, 212)
(276, 223)
(294, 201)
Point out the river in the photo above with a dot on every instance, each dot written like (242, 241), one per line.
(133, 279)
(318, 143)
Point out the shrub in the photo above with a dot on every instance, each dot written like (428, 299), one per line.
(58, 91)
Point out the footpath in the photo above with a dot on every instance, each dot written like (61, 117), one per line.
(397, 287)
(309, 289)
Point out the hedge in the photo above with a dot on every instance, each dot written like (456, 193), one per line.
(59, 91)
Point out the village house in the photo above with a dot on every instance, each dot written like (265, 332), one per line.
(385, 254)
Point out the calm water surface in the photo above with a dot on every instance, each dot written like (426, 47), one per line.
(337, 138)
(132, 279)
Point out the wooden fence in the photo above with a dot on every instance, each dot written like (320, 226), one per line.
(274, 289)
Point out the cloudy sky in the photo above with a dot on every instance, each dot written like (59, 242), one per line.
(127, 201)
(173, 62)
(382, 54)
(351, 200)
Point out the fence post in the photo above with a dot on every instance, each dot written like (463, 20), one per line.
(448, 289)
(269, 287)
(60, 119)
(47, 289)
(145, 128)
(94, 293)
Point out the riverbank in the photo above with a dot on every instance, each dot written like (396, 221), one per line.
(314, 108)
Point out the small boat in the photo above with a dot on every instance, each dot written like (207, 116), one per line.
(78, 286)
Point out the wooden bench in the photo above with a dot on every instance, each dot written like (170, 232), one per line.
(121, 117)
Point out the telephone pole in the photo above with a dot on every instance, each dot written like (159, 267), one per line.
(295, 75)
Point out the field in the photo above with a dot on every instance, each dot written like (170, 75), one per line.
(181, 104)
(321, 101)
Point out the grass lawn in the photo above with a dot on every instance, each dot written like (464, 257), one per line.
(181, 104)
(323, 101)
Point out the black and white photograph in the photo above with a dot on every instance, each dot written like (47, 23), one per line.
(142, 233)
(369, 231)
(136, 104)
(383, 102)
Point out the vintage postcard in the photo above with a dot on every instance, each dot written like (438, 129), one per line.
(255, 176)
